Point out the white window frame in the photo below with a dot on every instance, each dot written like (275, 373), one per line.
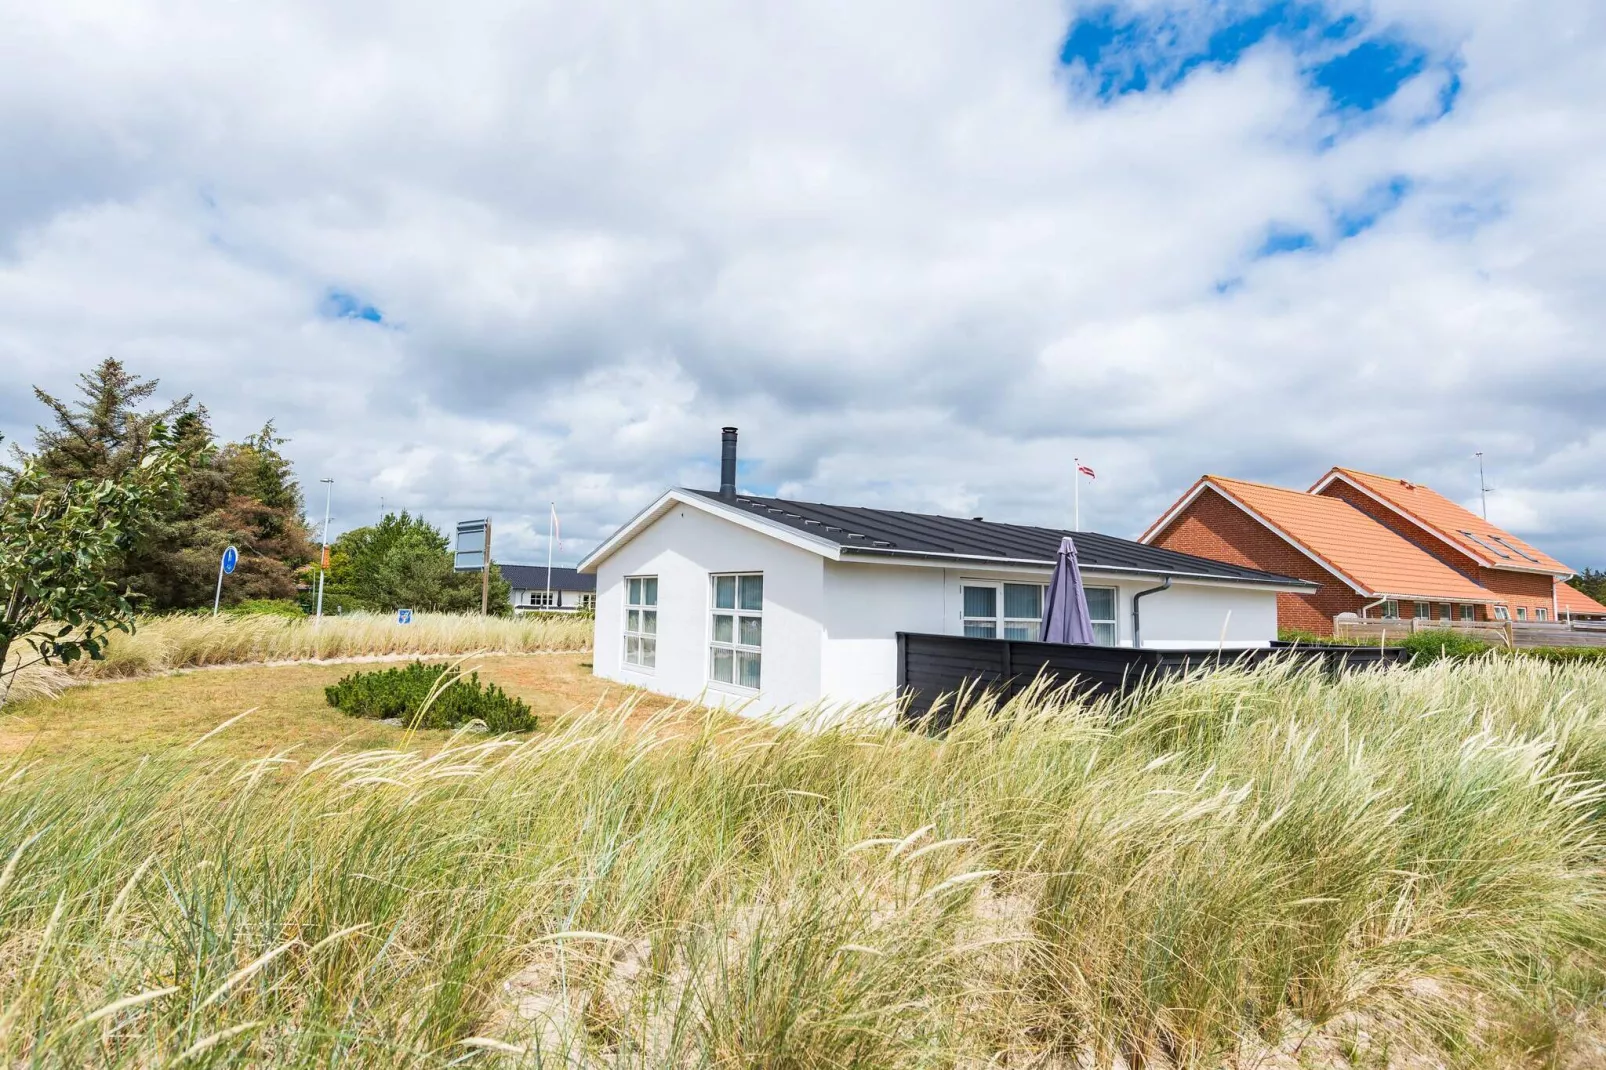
(999, 623)
(735, 646)
(1446, 611)
(1501, 613)
(1391, 609)
(1422, 611)
(1542, 614)
(544, 599)
(1522, 613)
(635, 595)
(588, 600)
(1469, 612)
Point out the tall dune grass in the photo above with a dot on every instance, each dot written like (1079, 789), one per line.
(160, 644)
(1249, 869)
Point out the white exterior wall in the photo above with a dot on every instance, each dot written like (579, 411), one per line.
(683, 548)
(866, 605)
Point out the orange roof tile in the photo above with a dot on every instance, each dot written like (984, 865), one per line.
(1572, 600)
(1465, 530)
(1360, 549)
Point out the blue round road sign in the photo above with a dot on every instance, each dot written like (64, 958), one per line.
(231, 557)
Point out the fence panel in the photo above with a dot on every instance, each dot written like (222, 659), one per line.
(934, 670)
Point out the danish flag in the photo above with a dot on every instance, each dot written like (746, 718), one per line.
(1086, 471)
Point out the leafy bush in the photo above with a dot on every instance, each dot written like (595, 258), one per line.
(1441, 643)
(1562, 654)
(403, 692)
(268, 607)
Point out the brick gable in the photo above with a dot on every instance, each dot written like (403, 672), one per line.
(1211, 526)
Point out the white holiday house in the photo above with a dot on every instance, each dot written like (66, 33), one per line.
(734, 599)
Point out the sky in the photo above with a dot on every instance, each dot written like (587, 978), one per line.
(478, 257)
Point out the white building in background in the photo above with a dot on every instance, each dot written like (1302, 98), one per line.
(733, 599)
(569, 591)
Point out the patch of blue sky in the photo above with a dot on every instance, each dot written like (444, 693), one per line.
(1121, 51)
(1344, 222)
(340, 305)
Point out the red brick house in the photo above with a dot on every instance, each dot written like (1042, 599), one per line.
(1522, 577)
(1362, 566)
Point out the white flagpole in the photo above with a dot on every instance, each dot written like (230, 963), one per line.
(1076, 522)
(550, 526)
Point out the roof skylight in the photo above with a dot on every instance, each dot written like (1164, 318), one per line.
(1492, 549)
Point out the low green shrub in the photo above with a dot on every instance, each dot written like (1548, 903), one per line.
(268, 607)
(1565, 654)
(1439, 643)
(403, 692)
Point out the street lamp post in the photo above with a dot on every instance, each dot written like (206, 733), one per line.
(323, 555)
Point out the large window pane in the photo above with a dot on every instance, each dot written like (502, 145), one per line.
(724, 592)
(649, 652)
(649, 622)
(752, 592)
(724, 632)
(1021, 630)
(632, 649)
(649, 591)
(747, 666)
(1023, 600)
(633, 592)
(752, 631)
(1104, 634)
(633, 620)
(1101, 603)
(981, 601)
(981, 629)
(724, 661)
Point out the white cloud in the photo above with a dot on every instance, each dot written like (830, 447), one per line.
(888, 239)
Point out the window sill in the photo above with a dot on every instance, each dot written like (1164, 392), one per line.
(733, 689)
(644, 670)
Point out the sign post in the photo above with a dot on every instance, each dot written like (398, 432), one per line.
(231, 557)
(473, 554)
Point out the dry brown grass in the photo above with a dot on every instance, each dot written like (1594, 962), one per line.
(139, 716)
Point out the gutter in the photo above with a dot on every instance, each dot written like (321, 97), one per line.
(1278, 583)
(1137, 628)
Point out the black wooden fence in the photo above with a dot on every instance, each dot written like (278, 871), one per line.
(932, 667)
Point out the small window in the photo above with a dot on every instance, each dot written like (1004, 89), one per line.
(543, 599)
(1101, 610)
(1519, 551)
(1502, 613)
(736, 644)
(1522, 612)
(1423, 611)
(641, 621)
(1391, 610)
(1541, 613)
(1023, 611)
(1492, 549)
(588, 600)
(981, 612)
(1003, 611)
(1469, 612)
(1444, 611)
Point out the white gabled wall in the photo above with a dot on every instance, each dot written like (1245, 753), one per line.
(866, 606)
(683, 548)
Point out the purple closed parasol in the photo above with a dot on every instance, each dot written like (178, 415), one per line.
(1065, 616)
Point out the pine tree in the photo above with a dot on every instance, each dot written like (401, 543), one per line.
(104, 433)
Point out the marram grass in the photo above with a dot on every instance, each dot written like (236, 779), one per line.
(189, 641)
(1252, 869)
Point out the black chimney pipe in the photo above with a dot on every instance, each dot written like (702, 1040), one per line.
(727, 463)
